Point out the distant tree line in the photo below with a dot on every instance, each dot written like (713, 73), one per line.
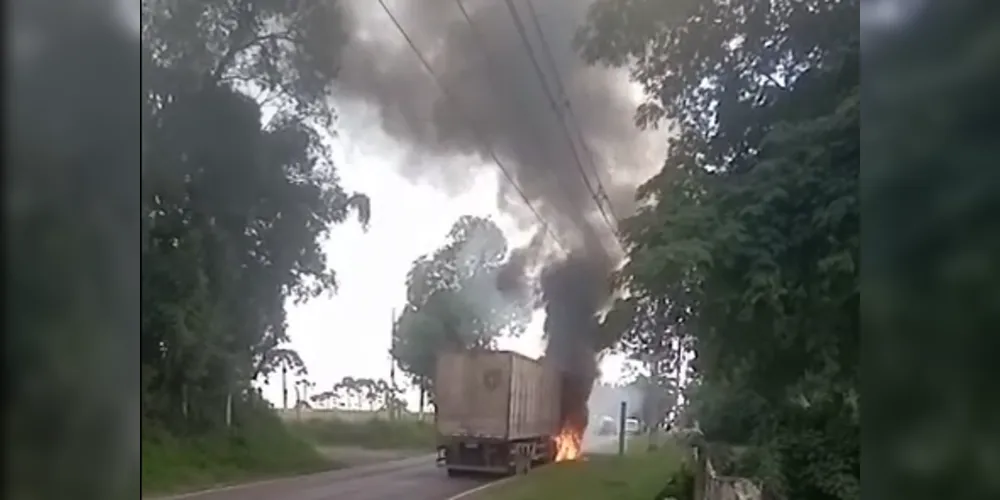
(362, 394)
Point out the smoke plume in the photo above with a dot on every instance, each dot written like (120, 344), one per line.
(498, 106)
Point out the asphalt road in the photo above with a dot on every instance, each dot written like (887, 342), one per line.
(411, 479)
(414, 478)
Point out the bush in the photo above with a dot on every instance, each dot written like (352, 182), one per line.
(261, 448)
(680, 483)
(373, 434)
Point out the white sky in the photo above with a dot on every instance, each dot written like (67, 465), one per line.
(348, 334)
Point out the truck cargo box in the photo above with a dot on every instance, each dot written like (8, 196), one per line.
(495, 395)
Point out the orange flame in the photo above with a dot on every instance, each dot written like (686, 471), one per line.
(568, 444)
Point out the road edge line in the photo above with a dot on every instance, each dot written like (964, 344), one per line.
(482, 487)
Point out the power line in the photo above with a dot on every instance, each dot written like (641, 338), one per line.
(519, 24)
(491, 63)
(547, 52)
(471, 124)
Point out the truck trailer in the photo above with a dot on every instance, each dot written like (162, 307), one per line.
(495, 411)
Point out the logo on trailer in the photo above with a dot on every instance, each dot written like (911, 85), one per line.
(491, 379)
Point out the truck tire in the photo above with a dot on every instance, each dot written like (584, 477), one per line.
(454, 472)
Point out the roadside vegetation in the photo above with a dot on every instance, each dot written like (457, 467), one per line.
(236, 200)
(265, 449)
(375, 434)
(266, 446)
(634, 476)
(747, 247)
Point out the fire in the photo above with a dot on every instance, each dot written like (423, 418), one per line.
(568, 444)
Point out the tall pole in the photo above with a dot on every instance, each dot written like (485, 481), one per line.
(284, 386)
(621, 428)
(391, 406)
(653, 399)
(298, 399)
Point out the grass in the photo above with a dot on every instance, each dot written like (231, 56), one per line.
(172, 464)
(639, 443)
(634, 476)
(376, 434)
(265, 448)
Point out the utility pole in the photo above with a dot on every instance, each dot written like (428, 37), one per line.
(284, 387)
(298, 399)
(622, 413)
(229, 408)
(654, 397)
(392, 404)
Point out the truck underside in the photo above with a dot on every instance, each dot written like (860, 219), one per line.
(496, 456)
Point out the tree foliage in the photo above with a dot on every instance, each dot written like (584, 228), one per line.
(362, 393)
(751, 230)
(454, 301)
(238, 194)
(650, 330)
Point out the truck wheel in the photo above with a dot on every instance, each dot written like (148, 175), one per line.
(454, 472)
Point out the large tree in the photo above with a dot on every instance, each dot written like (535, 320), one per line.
(238, 194)
(651, 332)
(751, 230)
(456, 299)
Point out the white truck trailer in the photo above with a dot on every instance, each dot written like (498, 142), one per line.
(495, 411)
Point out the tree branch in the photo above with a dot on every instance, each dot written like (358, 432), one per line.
(230, 56)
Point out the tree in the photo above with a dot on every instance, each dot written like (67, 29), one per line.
(650, 329)
(354, 392)
(349, 390)
(454, 301)
(286, 53)
(238, 193)
(751, 230)
(328, 399)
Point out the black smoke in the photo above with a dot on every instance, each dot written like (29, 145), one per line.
(574, 290)
(502, 108)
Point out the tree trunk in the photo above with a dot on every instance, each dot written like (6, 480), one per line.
(229, 409)
(423, 394)
(184, 401)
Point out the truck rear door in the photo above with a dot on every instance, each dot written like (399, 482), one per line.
(472, 392)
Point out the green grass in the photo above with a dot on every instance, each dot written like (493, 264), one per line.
(372, 434)
(639, 444)
(635, 476)
(267, 448)
(173, 464)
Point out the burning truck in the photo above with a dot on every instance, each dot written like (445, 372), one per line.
(503, 412)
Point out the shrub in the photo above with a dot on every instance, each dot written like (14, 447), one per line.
(260, 447)
(374, 433)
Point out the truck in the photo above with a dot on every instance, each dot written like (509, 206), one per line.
(495, 411)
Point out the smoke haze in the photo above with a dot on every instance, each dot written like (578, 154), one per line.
(502, 109)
